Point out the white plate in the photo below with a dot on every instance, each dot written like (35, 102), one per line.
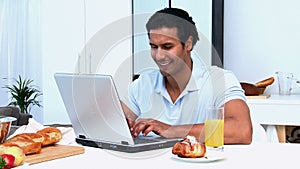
(205, 159)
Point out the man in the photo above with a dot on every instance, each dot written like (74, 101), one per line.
(171, 101)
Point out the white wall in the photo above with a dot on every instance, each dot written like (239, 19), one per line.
(64, 38)
(262, 37)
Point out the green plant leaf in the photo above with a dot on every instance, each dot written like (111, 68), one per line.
(24, 94)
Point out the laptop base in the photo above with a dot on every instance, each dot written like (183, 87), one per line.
(124, 148)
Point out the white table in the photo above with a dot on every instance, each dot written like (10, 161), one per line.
(277, 110)
(267, 155)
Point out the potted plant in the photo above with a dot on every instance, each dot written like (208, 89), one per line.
(24, 94)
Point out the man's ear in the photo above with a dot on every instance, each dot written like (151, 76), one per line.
(189, 43)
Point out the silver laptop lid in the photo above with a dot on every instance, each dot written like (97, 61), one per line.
(93, 106)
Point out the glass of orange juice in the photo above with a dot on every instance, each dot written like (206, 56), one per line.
(214, 128)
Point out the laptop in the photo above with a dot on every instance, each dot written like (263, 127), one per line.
(96, 114)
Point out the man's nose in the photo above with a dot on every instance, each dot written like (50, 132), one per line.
(160, 54)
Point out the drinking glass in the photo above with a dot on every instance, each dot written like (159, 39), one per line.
(214, 128)
(284, 82)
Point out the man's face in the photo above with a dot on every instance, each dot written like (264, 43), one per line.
(167, 50)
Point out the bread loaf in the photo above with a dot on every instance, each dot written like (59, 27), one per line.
(26, 144)
(33, 136)
(32, 143)
(51, 135)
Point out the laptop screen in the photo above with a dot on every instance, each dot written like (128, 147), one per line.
(93, 106)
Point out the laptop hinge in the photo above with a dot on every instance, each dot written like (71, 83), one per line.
(82, 136)
(124, 142)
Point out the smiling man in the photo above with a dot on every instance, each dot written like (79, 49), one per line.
(171, 101)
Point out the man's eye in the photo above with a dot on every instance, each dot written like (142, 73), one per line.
(153, 46)
(167, 47)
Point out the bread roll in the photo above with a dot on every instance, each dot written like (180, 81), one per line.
(51, 135)
(264, 83)
(189, 148)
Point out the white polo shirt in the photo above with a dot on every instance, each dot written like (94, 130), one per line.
(209, 86)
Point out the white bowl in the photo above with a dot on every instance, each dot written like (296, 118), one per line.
(5, 124)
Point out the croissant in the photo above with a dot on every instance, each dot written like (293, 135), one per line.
(189, 148)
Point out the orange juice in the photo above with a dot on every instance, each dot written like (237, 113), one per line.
(214, 133)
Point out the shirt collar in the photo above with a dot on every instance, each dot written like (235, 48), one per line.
(160, 83)
(199, 69)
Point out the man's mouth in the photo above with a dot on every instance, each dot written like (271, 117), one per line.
(163, 63)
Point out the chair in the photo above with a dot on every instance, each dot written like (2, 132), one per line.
(259, 134)
(22, 119)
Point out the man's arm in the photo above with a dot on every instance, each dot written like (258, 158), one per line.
(237, 126)
(130, 116)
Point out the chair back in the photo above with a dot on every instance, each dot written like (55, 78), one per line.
(22, 119)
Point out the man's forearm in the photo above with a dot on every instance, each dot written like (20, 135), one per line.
(182, 131)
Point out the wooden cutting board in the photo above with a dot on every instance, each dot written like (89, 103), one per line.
(54, 152)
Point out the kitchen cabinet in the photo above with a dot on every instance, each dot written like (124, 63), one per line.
(277, 111)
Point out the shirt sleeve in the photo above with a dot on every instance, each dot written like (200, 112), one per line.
(232, 89)
(130, 98)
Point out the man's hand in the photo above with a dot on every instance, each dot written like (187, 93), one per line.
(130, 123)
(147, 125)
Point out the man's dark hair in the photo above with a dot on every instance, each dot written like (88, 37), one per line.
(174, 17)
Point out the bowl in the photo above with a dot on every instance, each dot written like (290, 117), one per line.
(5, 124)
(251, 89)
